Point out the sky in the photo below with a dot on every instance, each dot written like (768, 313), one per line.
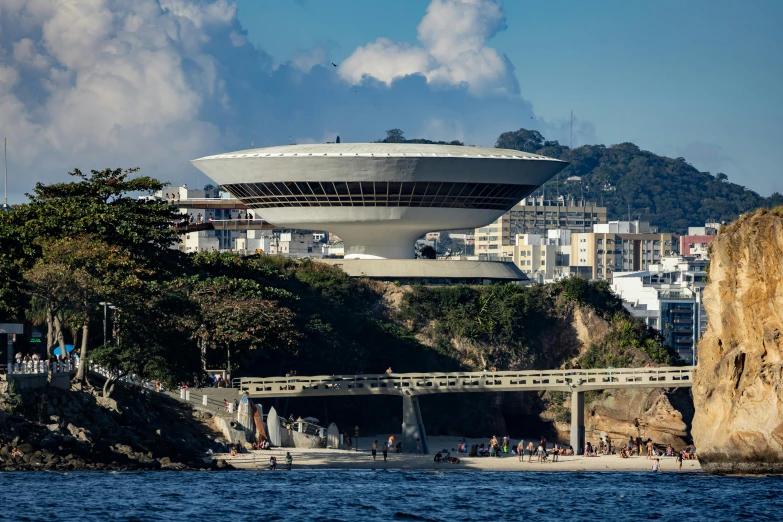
(156, 83)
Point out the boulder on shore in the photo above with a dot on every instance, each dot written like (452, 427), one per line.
(738, 384)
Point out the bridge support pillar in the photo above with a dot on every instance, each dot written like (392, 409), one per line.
(413, 425)
(578, 421)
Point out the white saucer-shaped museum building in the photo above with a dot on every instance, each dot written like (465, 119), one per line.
(379, 197)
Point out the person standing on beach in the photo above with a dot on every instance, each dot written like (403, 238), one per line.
(530, 452)
(649, 448)
(521, 449)
(289, 460)
(418, 447)
(385, 451)
(374, 449)
(656, 464)
(679, 461)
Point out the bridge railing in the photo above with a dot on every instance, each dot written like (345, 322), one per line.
(467, 381)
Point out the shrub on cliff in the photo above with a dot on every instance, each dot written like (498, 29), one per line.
(511, 326)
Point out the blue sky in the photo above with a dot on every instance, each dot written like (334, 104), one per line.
(694, 78)
(156, 83)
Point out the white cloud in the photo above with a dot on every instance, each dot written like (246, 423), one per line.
(453, 51)
(305, 60)
(155, 83)
(107, 80)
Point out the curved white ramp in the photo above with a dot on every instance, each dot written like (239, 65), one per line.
(332, 436)
(273, 423)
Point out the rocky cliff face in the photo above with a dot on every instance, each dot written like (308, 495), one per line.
(53, 429)
(738, 385)
(661, 415)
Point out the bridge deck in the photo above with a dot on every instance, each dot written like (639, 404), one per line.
(430, 383)
(225, 224)
(210, 203)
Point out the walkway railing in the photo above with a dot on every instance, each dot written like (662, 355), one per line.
(38, 367)
(428, 383)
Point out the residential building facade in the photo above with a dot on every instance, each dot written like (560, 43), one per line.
(619, 246)
(536, 216)
(543, 258)
(697, 241)
(668, 297)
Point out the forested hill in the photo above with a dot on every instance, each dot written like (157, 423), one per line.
(669, 193)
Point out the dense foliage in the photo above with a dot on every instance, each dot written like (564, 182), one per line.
(398, 136)
(77, 245)
(515, 327)
(668, 192)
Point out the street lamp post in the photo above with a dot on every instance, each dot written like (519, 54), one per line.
(105, 304)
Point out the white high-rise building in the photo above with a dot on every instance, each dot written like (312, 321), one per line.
(668, 297)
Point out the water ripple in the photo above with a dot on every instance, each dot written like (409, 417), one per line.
(350, 495)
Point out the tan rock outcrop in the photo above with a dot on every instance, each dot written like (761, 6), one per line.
(738, 384)
(636, 412)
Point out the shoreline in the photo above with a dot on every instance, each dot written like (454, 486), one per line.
(362, 460)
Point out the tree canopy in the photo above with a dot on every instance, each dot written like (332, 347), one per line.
(669, 193)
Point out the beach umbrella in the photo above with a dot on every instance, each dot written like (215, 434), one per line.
(68, 349)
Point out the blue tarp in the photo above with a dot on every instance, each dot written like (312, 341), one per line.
(68, 349)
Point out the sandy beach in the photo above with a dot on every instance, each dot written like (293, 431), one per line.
(362, 459)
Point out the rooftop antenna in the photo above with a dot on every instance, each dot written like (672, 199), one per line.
(5, 147)
(571, 143)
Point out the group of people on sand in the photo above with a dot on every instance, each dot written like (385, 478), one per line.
(498, 448)
(445, 456)
(386, 447)
(289, 460)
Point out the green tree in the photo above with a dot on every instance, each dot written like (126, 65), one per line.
(235, 315)
(72, 275)
(395, 136)
(523, 140)
(101, 205)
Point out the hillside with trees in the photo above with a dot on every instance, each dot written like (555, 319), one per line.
(670, 193)
(76, 245)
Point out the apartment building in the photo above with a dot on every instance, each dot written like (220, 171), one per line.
(619, 246)
(668, 297)
(536, 216)
(698, 239)
(543, 258)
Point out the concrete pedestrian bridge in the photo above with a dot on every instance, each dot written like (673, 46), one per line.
(412, 385)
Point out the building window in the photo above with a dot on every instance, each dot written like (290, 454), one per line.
(379, 194)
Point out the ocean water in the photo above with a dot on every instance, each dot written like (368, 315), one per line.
(352, 495)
